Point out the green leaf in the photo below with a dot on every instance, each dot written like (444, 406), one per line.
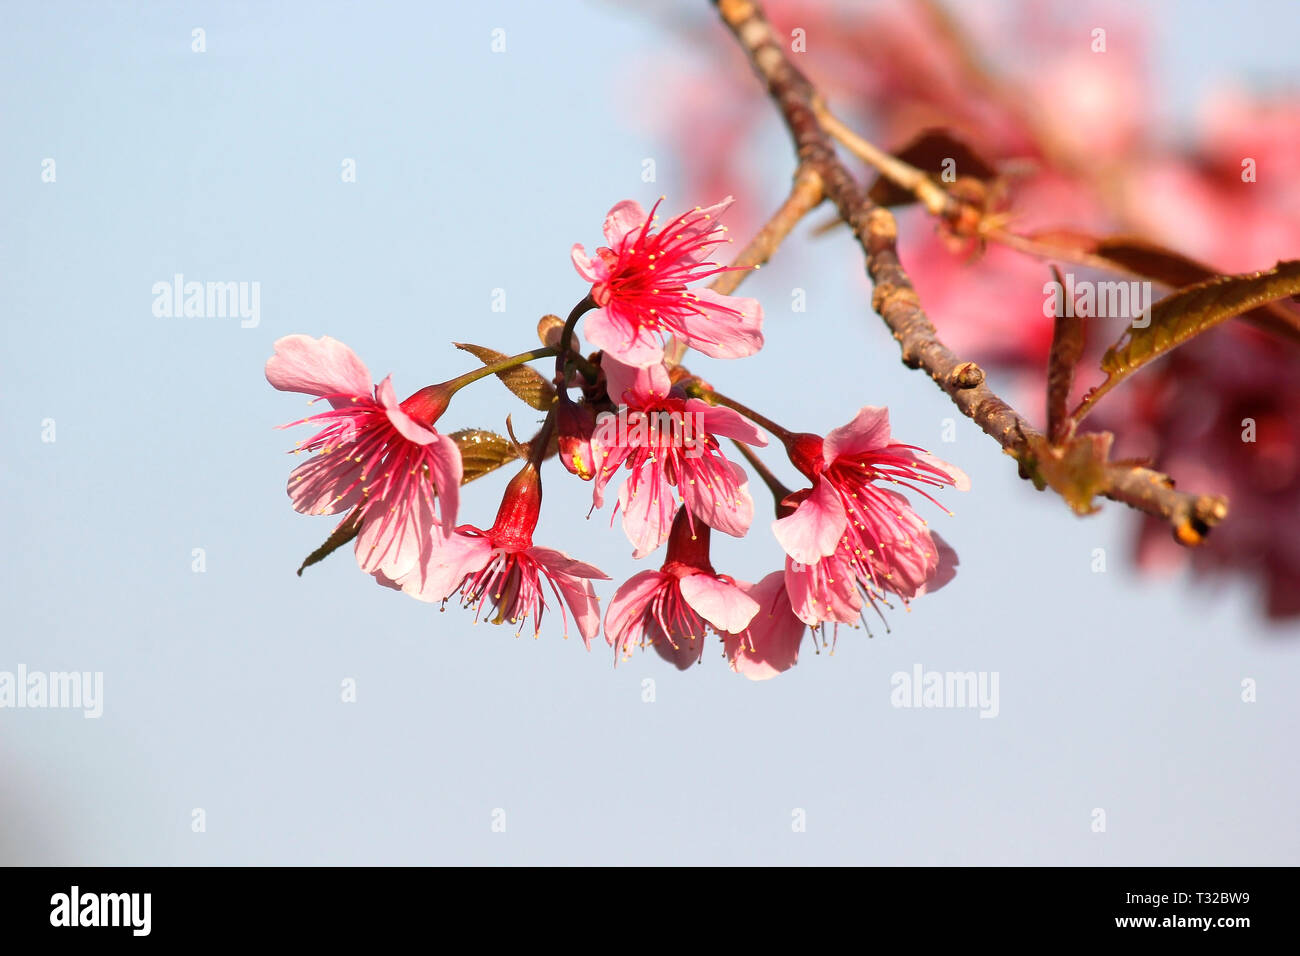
(524, 381)
(1184, 314)
(1149, 260)
(341, 535)
(482, 451)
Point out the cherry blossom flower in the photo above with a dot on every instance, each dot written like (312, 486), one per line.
(378, 458)
(639, 283)
(863, 528)
(672, 608)
(501, 566)
(770, 644)
(666, 441)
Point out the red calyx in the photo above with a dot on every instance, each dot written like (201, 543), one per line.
(520, 507)
(688, 546)
(427, 405)
(805, 451)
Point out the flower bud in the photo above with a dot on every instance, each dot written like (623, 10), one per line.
(575, 423)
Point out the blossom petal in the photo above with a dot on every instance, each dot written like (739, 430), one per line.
(394, 535)
(635, 386)
(960, 480)
(320, 367)
(647, 515)
(622, 339)
(558, 563)
(326, 484)
(446, 470)
(815, 528)
(406, 426)
(623, 219)
(444, 564)
(580, 596)
(725, 606)
(712, 502)
(699, 223)
(629, 604)
(726, 422)
(594, 270)
(727, 326)
(869, 431)
(823, 591)
(770, 644)
(682, 651)
(946, 569)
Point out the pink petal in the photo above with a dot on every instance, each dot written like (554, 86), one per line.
(721, 334)
(770, 645)
(327, 484)
(946, 570)
(726, 422)
(446, 470)
(960, 480)
(635, 386)
(715, 507)
(869, 431)
(648, 517)
(821, 592)
(594, 270)
(628, 605)
(406, 426)
(699, 223)
(906, 554)
(444, 564)
(815, 528)
(622, 339)
(320, 367)
(681, 651)
(626, 217)
(558, 564)
(394, 534)
(581, 598)
(723, 605)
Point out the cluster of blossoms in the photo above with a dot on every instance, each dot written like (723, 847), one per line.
(851, 539)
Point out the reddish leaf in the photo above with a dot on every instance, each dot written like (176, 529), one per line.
(928, 152)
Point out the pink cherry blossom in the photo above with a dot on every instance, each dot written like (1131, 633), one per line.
(501, 566)
(639, 283)
(863, 528)
(375, 456)
(672, 609)
(665, 441)
(770, 644)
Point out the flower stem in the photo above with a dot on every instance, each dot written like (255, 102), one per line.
(779, 491)
(701, 390)
(538, 443)
(566, 351)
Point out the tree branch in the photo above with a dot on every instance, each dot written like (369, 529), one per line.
(894, 298)
(805, 195)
